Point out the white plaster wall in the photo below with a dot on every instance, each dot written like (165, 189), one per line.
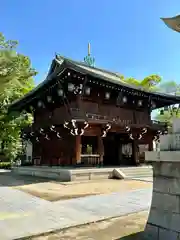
(165, 142)
(162, 156)
(176, 125)
(28, 150)
(170, 142)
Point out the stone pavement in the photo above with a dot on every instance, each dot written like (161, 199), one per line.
(23, 215)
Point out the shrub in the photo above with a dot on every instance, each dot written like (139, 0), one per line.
(5, 165)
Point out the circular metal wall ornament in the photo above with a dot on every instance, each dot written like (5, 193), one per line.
(87, 90)
(140, 103)
(124, 99)
(40, 104)
(107, 95)
(70, 87)
(60, 92)
(49, 98)
(153, 105)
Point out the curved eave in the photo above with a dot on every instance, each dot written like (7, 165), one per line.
(165, 99)
(63, 63)
(32, 95)
(173, 23)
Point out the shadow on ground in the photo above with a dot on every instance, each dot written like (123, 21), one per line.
(134, 236)
(9, 179)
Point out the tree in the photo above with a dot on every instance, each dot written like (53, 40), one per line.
(167, 114)
(153, 83)
(149, 83)
(16, 79)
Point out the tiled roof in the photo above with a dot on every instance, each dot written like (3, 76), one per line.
(92, 71)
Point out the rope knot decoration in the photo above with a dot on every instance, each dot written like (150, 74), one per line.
(72, 126)
(137, 136)
(53, 129)
(40, 133)
(106, 130)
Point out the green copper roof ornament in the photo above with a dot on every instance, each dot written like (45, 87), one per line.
(173, 22)
(90, 61)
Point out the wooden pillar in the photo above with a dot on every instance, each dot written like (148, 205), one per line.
(120, 153)
(78, 101)
(100, 149)
(150, 142)
(135, 152)
(77, 149)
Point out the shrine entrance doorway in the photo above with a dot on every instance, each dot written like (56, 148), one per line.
(118, 150)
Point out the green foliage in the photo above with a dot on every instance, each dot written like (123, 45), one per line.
(166, 116)
(5, 165)
(149, 83)
(16, 79)
(170, 87)
(153, 83)
(168, 113)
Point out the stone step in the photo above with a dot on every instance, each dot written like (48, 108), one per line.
(137, 172)
(137, 176)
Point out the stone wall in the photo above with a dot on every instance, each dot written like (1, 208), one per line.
(164, 217)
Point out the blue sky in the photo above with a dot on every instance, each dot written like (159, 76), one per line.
(126, 36)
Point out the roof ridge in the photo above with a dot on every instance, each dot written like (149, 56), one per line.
(96, 68)
(113, 74)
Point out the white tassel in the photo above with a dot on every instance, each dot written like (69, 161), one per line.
(86, 125)
(144, 130)
(58, 135)
(131, 136)
(41, 131)
(108, 127)
(71, 132)
(66, 125)
(46, 137)
(76, 131)
(104, 133)
(82, 132)
(140, 136)
(73, 123)
(52, 128)
(128, 129)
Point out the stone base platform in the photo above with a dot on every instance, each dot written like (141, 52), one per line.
(84, 173)
(65, 174)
